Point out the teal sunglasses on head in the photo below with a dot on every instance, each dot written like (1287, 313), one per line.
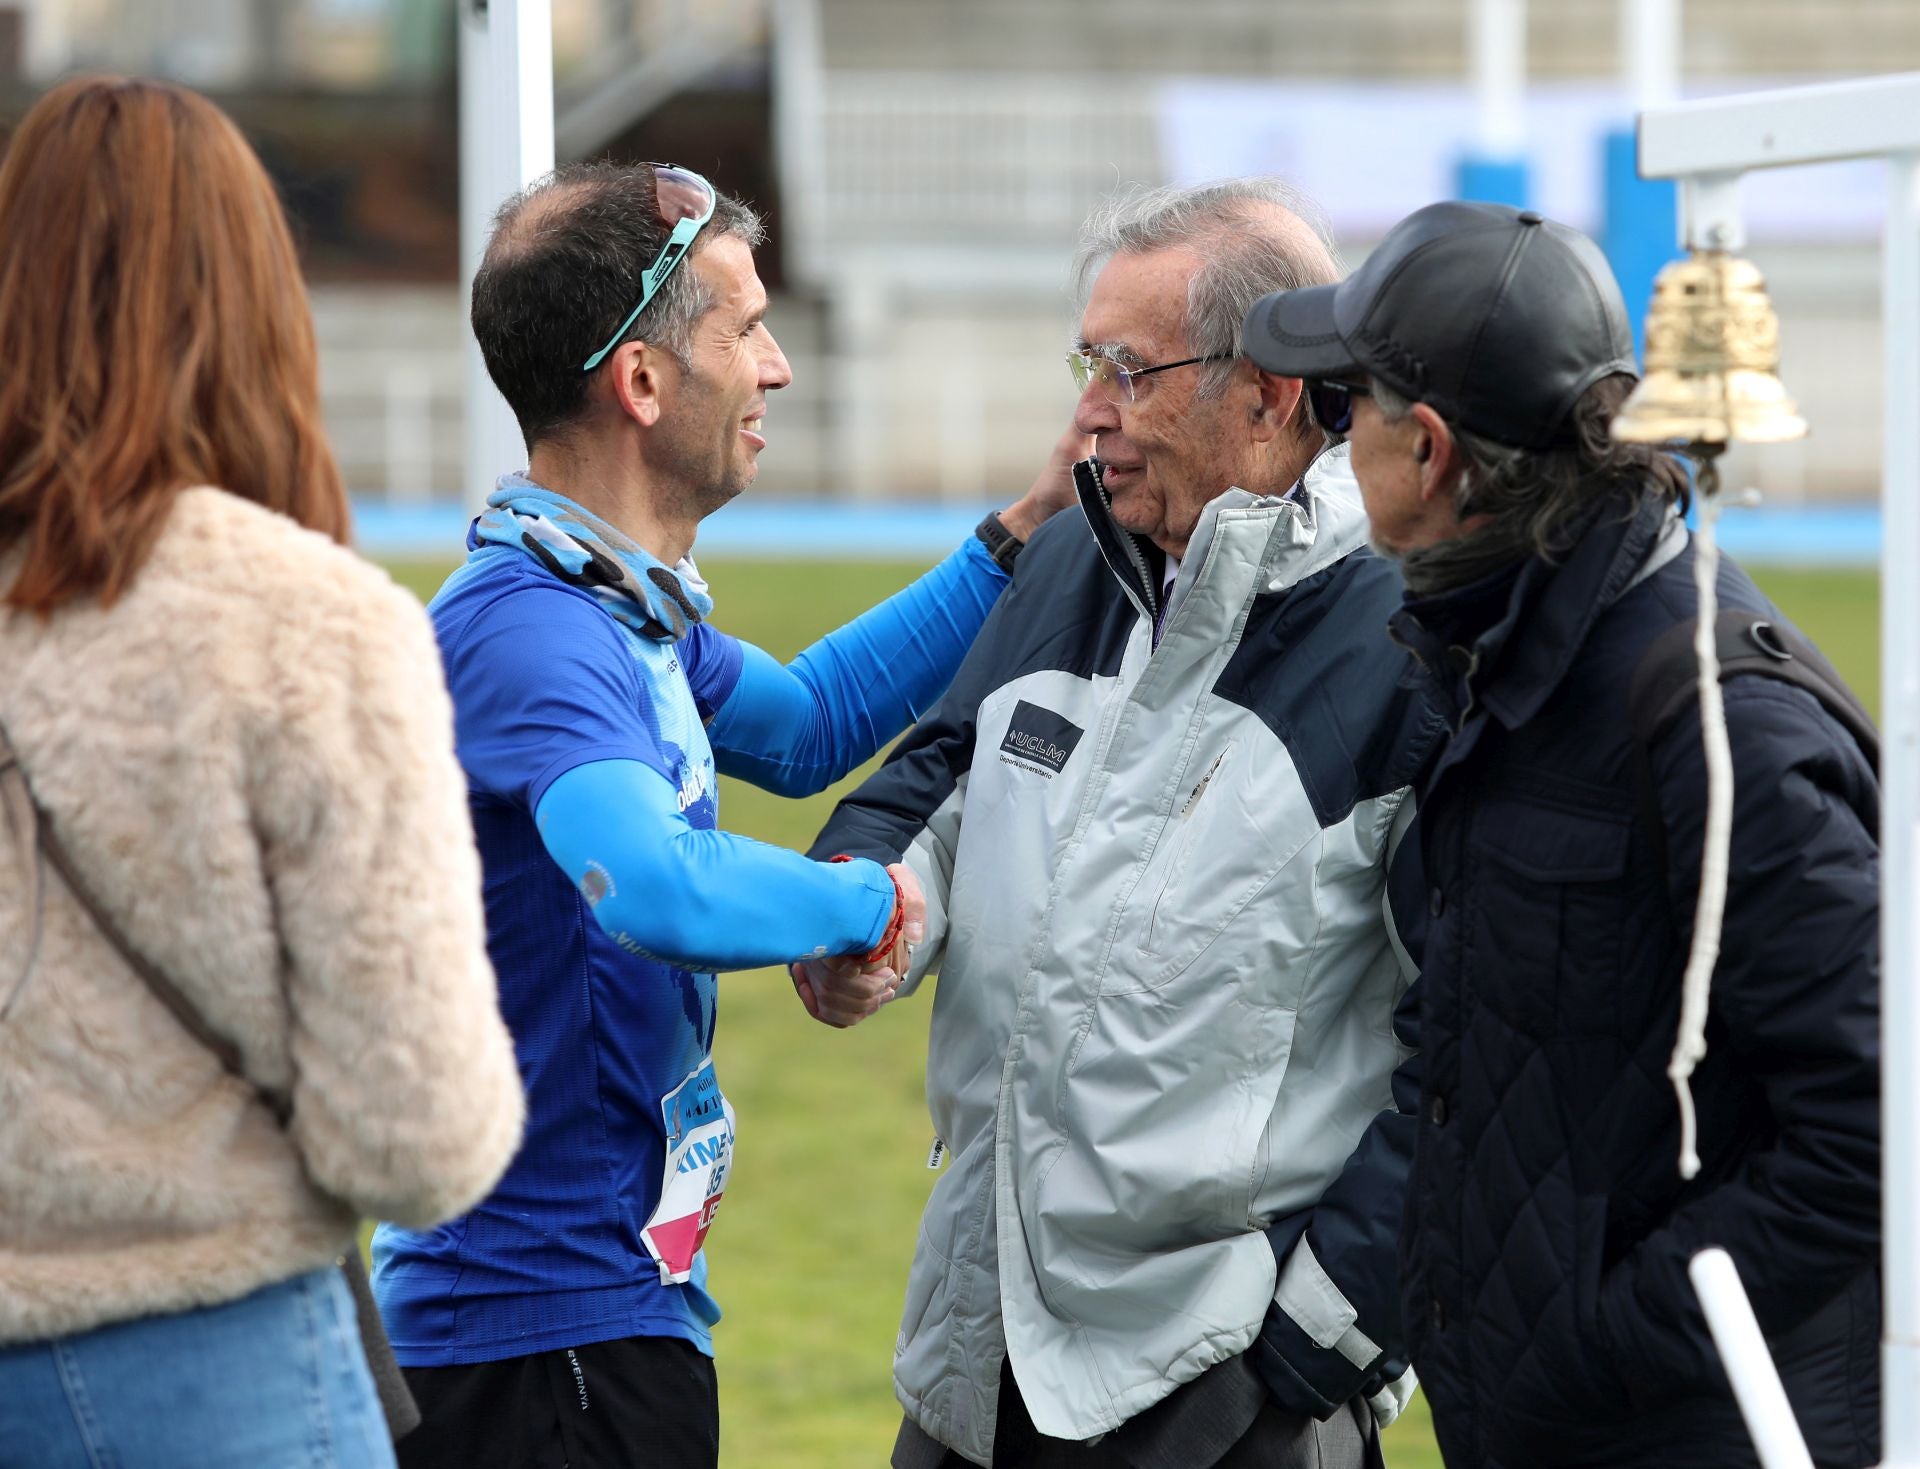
(685, 202)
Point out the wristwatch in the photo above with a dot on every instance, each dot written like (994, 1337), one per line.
(1002, 544)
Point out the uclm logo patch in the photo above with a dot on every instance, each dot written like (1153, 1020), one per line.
(1040, 737)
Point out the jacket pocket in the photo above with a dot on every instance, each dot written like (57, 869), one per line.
(1549, 917)
(929, 1297)
(1184, 823)
(1566, 1377)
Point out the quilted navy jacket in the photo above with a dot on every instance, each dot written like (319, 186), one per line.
(1548, 1231)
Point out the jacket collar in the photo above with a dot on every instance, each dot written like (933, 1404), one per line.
(1318, 521)
(1513, 672)
(1134, 560)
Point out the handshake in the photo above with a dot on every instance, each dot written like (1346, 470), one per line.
(844, 989)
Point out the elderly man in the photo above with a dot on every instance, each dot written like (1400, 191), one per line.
(1155, 817)
(567, 1318)
(1477, 360)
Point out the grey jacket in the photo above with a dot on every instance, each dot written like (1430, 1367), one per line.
(1163, 1036)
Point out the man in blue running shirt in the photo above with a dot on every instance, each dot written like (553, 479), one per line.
(566, 1320)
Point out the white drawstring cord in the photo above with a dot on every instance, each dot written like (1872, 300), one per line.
(1696, 986)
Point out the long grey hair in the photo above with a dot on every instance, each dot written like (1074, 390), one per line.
(1541, 500)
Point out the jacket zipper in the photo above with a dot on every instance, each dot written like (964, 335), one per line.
(1144, 584)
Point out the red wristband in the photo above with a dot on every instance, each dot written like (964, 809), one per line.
(891, 937)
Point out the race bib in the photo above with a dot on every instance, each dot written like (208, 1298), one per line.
(699, 1124)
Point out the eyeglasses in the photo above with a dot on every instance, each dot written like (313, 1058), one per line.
(1117, 381)
(1331, 403)
(685, 201)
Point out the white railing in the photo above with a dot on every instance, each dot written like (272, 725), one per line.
(394, 417)
(982, 159)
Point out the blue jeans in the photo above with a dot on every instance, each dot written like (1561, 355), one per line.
(275, 1380)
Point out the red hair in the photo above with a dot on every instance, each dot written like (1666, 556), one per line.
(155, 335)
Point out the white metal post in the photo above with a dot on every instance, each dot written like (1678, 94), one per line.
(1650, 51)
(1815, 124)
(799, 130)
(1638, 236)
(1710, 217)
(1707, 145)
(1497, 41)
(1900, 813)
(506, 141)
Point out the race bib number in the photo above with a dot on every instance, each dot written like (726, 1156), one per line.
(699, 1124)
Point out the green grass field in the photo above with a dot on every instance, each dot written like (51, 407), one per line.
(810, 1253)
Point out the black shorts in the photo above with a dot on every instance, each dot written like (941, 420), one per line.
(644, 1401)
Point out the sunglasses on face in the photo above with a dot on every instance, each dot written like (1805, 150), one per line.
(1331, 403)
(685, 202)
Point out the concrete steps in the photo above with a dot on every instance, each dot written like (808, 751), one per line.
(1355, 38)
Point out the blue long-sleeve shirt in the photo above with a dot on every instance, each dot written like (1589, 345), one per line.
(612, 898)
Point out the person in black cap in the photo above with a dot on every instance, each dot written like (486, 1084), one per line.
(1475, 362)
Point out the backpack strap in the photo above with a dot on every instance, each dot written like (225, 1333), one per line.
(36, 829)
(23, 821)
(1668, 679)
(1666, 684)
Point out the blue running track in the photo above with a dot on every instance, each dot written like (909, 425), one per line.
(1827, 535)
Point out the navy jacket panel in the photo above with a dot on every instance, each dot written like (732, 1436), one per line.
(1062, 612)
(1340, 711)
(1548, 1231)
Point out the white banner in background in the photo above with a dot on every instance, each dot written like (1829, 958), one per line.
(1371, 153)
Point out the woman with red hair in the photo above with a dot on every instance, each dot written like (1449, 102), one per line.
(227, 768)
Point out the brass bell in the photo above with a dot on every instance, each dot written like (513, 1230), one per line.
(1713, 361)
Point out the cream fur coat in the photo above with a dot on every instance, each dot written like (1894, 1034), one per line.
(250, 757)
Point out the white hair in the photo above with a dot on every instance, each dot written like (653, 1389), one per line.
(1238, 228)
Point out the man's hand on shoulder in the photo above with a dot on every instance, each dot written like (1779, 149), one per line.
(1053, 490)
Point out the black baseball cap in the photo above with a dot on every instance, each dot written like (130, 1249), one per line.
(1497, 317)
